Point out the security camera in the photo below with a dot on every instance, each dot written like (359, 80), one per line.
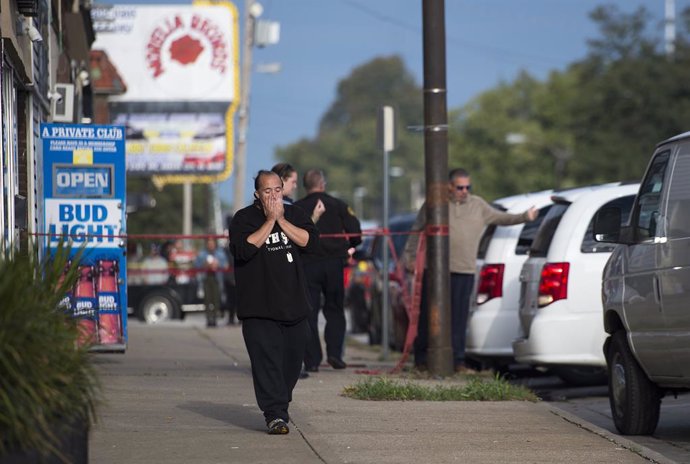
(30, 29)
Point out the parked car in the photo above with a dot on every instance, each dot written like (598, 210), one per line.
(560, 306)
(358, 278)
(493, 322)
(645, 289)
(370, 272)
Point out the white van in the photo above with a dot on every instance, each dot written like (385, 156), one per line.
(493, 321)
(560, 303)
(646, 290)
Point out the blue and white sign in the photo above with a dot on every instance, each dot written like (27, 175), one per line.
(86, 181)
(84, 199)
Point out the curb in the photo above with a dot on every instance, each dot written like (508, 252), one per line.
(633, 447)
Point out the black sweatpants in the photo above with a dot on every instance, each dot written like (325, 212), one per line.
(325, 276)
(275, 350)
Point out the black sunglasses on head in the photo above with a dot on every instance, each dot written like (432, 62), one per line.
(463, 187)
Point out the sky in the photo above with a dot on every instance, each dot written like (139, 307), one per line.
(322, 41)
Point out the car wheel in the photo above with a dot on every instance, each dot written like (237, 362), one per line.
(581, 376)
(158, 308)
(634, 399)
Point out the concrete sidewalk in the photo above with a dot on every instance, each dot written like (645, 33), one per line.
(184, 394)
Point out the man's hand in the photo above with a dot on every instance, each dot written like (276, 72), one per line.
(319, 209)
(532, 213)
(273, 208)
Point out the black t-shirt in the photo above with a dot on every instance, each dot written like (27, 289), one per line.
(270, 279)
(337, 219)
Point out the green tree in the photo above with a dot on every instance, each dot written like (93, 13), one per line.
(345, 146)
(165, 215)
(597, 121)
(630, 97)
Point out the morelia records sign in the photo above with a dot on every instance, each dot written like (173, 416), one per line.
(171, 53)
(180, 67)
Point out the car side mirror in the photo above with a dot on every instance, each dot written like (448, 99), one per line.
(607, 225)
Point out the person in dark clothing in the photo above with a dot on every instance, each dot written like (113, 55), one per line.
(267, 241)
(324, 270)
(229, 281)
(288, 175)
(212, 264)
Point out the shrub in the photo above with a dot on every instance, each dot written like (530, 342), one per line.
(46, 380)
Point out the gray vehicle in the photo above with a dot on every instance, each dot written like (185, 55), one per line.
(645, 290)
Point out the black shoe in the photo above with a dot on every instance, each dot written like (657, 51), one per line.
(278, 427)
(336, 363)
(311, 368)
(303, 374)
(211, 324)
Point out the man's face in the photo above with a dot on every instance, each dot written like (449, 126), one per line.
(459, 188)
(290, 184)
(270, 186)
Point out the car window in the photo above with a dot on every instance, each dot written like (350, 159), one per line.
(529, 231)
(649, 198)
(589, 245)
(399, 238)
(488, 234)
(542, 241)
(399, 235)
(485, 240)
(678, 211)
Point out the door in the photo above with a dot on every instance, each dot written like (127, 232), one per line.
(641, 295)
(674, 264)
(530, 274)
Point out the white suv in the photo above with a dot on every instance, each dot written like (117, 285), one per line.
(493, 323)
(560, 302)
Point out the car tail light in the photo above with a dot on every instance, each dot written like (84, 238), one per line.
(490, 282)
(553, 285)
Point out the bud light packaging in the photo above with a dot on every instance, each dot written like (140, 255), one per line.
(109, 329)
(86, 305)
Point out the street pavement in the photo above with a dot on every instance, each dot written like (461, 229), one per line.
(183, 394)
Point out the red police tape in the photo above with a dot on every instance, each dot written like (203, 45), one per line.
(185, 270)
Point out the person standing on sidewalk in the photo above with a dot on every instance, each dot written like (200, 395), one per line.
(211, 263)
(324, 270)
(267, 241)
(288, 175)
(468, 215)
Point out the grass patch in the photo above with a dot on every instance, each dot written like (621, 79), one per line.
(476, 389)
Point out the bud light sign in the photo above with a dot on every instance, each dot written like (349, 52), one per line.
(96, 222)
(83, 204)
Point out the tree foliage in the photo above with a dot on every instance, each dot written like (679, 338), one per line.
(165, 215)
(345, 146)
(598, 120)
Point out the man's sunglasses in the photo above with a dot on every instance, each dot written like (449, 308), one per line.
(463, 187)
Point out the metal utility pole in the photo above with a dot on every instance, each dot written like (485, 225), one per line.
(252, 10)
(386, 130)
(440, 353)
(187, 213)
